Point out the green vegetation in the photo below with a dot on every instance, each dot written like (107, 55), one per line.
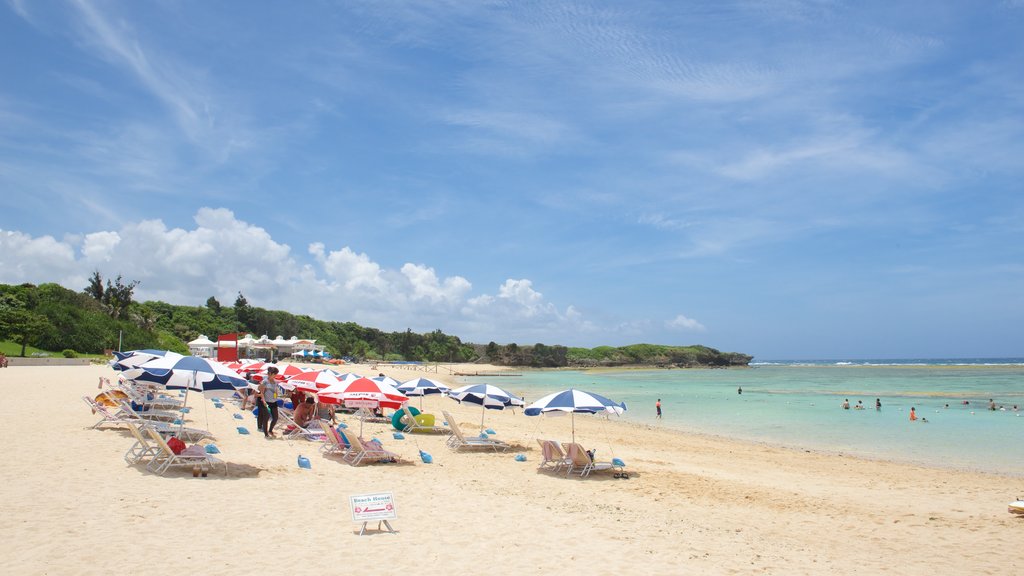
(50, 317)
(655, 355)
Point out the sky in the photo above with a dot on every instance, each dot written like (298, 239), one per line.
(793, 179)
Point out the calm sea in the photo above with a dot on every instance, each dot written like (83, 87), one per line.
(798, 404)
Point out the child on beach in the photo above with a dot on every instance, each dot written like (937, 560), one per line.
(913, 415)
(657, 408)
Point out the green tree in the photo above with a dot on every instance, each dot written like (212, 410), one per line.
(243, 312)
(213, 305)
(18, 323)
(95, 287)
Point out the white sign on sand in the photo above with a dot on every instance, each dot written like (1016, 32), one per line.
(368, 507)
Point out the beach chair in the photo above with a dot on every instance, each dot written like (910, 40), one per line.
(194, 456)
(144, 395)
(293, 431)
(580, 461)
(417, 423)
(141, 449)
(108, 417)
(458, 440)
(121, 419)
(367, 451)
(552, 455)
(152, 415)
(332, 441)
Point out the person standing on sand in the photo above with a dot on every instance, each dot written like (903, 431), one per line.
(266, 400)
(657, 408)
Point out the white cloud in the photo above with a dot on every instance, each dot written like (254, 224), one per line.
(222, 256)
(681, 322)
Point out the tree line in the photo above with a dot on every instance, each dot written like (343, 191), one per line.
(104, 316)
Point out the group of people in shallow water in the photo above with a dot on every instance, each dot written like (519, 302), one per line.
(913, 411)
(860, 404)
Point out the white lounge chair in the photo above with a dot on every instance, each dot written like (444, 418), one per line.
(154, 415)
(367, 451)
(141, 449)
(332, 441)
(194, 456)
(581, 461)
(458, 440)
(121, 419)
(552, 455)
(415, 424)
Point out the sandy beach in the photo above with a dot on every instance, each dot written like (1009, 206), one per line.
(692, 505)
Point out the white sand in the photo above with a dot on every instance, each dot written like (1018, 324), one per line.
(693, 504)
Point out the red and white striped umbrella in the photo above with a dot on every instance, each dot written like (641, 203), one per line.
(363, 393)
(312, 381)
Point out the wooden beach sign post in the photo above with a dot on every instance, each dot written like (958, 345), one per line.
(368, 507)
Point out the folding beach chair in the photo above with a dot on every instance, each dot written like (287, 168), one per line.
(552, 455)
(458, 440)
(367, 451)
(141, 449)
(332, 441)
(108, 417)
(153, 415)
(414, 423)
(581, 461)
(194, 456)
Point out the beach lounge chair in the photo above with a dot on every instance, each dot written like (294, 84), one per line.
(367, 451)
(144, 395)
(581, 461)
(552, 455)
(420, 422)
(194, 456)
(142, 449)
(108, 417)
(121, 419)
(293, 431)
(152, 415)
(458, 440)
(332, 441)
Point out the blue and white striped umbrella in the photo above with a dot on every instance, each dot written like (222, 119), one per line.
(133, 358)
(490, 397)
(188, 372)
(572, 401)
(487, 396)
(422, 387)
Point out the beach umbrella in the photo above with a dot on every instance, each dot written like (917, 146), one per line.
(363, 393)
(387, 380)
(421, 387)
(187, 372)
(487, 396)
(574, 401)
(312, 381)
(133, 358)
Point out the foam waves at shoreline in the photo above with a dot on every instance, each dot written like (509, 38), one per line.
(938, 362)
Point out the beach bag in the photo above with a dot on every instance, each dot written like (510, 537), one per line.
(176, 446)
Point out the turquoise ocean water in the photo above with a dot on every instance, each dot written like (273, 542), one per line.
(798, 404)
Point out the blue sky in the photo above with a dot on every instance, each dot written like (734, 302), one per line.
(792, 179)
